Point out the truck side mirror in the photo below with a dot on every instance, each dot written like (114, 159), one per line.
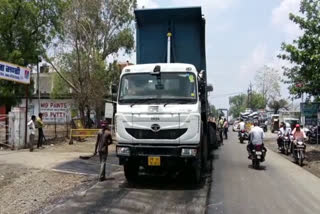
(114, 88)
(114, 91)
(209, 88)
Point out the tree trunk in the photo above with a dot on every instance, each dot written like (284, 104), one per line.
(82, 114)
(98, 115)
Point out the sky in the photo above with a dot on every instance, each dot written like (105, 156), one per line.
(241, 37)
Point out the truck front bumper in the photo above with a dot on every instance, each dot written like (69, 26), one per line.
(168, 153)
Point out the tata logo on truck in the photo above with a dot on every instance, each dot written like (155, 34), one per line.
(155, 127)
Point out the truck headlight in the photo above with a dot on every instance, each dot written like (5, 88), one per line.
(123, 151)
(188, 152)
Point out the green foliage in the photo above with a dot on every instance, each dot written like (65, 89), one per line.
(257, 101)
(238, 104)
(213, 111)
(61, 88)
(304, 52)
(26, 27)
(277, 105)
(95, 30)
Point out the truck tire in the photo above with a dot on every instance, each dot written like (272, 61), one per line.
(213, 138)
(196, 173)
(131, 170)
(205, 153)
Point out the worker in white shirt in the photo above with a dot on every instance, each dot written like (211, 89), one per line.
(32, 131)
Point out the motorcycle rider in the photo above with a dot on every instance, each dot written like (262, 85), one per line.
(242, 126)
(225, 128)
(284, 131)
(256, 137)
(298, 134)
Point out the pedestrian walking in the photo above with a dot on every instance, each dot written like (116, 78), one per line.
(104, 139)
(40, 131)
(225, 128)
(32, 131)
(220, 128)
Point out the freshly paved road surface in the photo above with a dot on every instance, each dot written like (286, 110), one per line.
(149, 195)
(279, 187)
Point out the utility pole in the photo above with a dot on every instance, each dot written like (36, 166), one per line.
(249, 103)
(38, 83)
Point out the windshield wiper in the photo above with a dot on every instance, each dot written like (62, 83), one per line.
(178, 101)
(141, 101)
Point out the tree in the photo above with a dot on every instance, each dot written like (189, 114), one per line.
(267, 82)
(303, 54)
(277, 105)
(213, 111)
(93, 31)
(238, 104)
(26, 28)
(257, 101)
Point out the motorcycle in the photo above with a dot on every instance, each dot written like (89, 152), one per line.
(285, 145)
(299, 151)
(257, 155)
(243, 135)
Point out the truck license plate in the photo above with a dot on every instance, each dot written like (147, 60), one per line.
(153, 161)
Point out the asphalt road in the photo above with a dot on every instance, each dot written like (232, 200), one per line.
(279, 187)
(149, 195)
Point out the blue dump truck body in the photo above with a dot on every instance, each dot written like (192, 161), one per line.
(188, 36)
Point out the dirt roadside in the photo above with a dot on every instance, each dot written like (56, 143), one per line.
(312, 161)
(28, 182)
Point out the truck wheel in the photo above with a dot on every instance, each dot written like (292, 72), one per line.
(205, 153)
(196, 175)
(131, 171)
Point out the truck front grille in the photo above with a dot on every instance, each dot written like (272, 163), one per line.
(170, 134)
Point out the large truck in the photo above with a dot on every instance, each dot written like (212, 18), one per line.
(161, 122)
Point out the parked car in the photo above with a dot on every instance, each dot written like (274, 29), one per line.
(235, 126)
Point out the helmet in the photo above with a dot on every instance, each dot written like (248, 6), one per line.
(297, 126)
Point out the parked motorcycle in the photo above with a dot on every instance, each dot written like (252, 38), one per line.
(299, 151)
(257, 155)
(243, 135)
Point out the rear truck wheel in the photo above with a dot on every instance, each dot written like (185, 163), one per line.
(205, 153)
(131, 170)
(213, 137)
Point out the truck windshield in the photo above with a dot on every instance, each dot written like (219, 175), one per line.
(163, 88)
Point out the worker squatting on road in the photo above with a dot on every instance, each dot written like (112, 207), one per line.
(104, 139)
